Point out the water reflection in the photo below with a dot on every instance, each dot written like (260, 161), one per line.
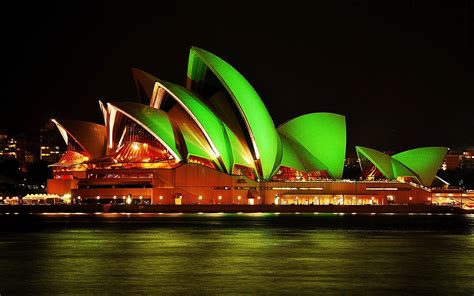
(237, 253)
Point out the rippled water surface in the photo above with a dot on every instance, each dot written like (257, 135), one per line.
(237, 254)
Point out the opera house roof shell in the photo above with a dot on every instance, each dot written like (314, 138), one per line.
(421, 164)
(220, 121)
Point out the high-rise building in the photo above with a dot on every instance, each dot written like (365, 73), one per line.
(468, 158)
(9, 148)
(51, 145)
(459, 159)
(3, 142)
(16, 147)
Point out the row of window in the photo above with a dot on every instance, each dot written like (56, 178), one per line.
(115, 186)
(120, 176)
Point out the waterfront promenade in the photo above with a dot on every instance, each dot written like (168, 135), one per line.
(114, 208)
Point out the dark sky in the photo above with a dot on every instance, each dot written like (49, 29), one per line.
(400, 71)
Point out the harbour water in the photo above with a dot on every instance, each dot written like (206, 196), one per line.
(237, 254)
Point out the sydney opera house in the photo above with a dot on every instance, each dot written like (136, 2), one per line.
(214, 142)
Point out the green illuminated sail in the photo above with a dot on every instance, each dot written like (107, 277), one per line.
(261, 130)
(422, 164)
(425, 162)
(323, 137)
(382, 161)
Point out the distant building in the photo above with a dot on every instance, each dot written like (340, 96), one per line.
(452, 162)
(15, 147)
(457, 159)
(25, 149)
(51, 144)
(30, 157)
(21, 141)
(468, 158)
(8, 148)
(351, 162)
(3, 142)
(3, 134)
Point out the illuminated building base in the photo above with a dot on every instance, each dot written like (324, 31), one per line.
(197, 184)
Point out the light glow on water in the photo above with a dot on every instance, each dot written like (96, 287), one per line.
(236, 254)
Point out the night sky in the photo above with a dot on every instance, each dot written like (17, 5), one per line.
(402, 72)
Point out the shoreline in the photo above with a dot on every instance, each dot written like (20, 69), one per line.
(110, 208)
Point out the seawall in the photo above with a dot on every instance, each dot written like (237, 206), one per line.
(108, 208)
